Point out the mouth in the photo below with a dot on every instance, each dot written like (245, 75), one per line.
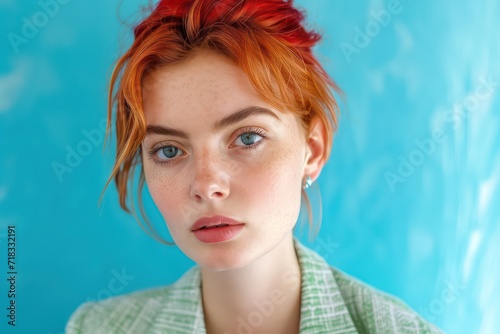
(207, 227)
(216, 232)
(217, 221)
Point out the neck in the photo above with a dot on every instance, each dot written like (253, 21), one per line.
(261, 297)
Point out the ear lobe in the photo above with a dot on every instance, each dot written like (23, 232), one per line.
(316, 143)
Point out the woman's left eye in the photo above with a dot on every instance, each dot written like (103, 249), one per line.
(249, 139)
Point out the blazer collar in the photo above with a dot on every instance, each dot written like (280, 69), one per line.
(323, 310)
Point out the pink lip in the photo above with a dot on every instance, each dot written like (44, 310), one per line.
(216, 229)
(213, 221)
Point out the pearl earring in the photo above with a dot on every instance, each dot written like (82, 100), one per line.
(308, 182)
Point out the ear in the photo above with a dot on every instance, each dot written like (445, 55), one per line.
(316, 141)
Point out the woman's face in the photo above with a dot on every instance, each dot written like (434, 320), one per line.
(250, 170)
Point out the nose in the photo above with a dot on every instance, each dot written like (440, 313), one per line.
(210, 178)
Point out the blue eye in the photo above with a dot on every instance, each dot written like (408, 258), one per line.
(249, 138)
(167, 152)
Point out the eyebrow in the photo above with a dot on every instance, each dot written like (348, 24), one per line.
(220, 124)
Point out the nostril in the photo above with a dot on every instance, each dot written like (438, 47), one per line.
(218, 194)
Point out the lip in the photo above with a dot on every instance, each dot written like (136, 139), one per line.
(213, 221)
(207, 229)
(218, 234)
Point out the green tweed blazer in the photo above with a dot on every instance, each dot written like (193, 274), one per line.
(331, 302)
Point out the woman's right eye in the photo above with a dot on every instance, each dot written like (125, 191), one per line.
(165, 154)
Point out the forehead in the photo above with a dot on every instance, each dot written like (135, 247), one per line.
(205, 86)
(204, 76)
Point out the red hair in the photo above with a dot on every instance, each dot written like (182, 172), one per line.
(265, 38)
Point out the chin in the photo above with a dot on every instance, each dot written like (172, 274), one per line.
(223, 261)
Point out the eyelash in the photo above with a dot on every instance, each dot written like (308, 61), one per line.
(251, 130)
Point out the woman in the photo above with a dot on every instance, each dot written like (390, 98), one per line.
(230, 118)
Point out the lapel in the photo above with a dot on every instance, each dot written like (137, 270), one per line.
(180, 310)
(323, 309)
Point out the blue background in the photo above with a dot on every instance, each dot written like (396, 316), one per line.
(410, 194)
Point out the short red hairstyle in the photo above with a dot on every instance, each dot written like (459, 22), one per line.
(265, 38)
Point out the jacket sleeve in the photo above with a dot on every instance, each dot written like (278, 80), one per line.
(82, 315)
(374, 311)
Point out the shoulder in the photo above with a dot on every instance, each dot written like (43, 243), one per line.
(374, 311)
(336, 301)
(109, 314)
(137, 310)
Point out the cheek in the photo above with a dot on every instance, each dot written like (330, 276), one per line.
(275, 186)
(164, 192)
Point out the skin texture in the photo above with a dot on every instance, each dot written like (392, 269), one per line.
(213, 173)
